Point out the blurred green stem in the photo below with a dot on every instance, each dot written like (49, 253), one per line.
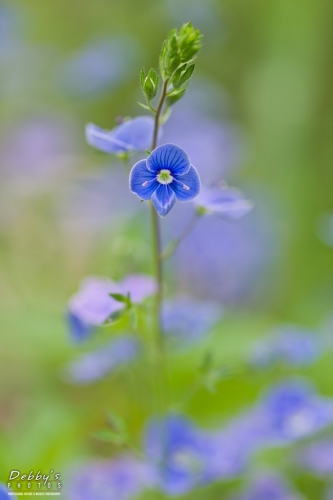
(161, 362)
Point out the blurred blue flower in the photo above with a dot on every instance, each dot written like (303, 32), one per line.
(186, 320)
(317, 457)
(292, 411)
(4, 493)
(120, 479)
(92, 305)
(227, 202)
(268, 487)
(289, 344)
(186, 456)
(131, 135)
(178, 449)
(164, 177)
(99, 363)
(139, 286)
(101, 65)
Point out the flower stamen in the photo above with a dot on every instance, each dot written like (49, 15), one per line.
(164, 176)
(184, 186)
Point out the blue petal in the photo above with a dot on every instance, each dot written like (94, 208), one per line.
(104, 140)
(169, 157)
(191, 180)
(138, 176)
(78, 329)
(136, 133)
(163, 199)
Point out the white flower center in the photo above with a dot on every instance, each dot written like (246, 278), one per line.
(164, 176)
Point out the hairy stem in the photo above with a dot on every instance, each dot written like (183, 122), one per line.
(161, 363)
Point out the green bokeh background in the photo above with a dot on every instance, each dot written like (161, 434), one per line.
(273, 61)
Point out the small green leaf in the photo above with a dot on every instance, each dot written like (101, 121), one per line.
(145, 106)
(175, 96)
(115, 421)
(111, 437)
(184, 77)
(142, 77)
(154, 77)
(119, 297)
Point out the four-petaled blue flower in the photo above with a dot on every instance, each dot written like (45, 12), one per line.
(132, 135)
(165, 177)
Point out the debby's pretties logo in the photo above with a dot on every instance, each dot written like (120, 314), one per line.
(34, 482)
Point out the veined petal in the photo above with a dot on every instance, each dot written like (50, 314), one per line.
(169, 157)
(142, 182)
(136, 133)
(104, 140)
(163, 199)
(187, 187)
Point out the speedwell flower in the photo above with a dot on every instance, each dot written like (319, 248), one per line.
(132, 135)
(165, 177)
(224, 201)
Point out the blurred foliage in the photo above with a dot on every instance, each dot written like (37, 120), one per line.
(271, 63)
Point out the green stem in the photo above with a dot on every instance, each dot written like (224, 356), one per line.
(161, 363)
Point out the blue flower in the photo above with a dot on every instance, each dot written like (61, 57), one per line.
(165, 177)
(185, 320)
(317, 458)
(132, 135)
(178, 449)
(268, 487)
(120, 479)
(227, 202)
(292, 411)
(187, 457)
(289, 344)
(99, 363)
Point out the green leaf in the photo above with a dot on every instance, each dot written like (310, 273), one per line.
(119, 297)
(142, 77)
(145, 106)
(115, 421)
(175, 96)
(184, 77)
(111, 437)
(116, 315)
(154, 77)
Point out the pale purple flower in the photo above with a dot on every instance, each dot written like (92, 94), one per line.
(317, 457)
(268, 486)
(92, 305)
(97, 364)
(121, 479)
(139, 286)
(223, 201)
